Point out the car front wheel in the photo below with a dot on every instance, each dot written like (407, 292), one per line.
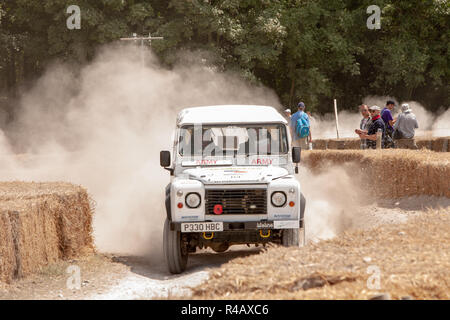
(175, 253)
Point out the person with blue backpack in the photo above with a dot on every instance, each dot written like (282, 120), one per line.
(300, 128)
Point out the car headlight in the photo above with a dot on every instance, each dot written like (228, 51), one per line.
(193, 200)
(278, 199)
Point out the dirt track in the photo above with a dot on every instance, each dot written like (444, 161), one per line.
(106, 276)
(405, 260)
(125, 277)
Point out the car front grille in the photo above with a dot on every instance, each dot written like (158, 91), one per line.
(237, 201)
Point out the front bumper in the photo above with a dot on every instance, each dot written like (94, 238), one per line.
(250, 225)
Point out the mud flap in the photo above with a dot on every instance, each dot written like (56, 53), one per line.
(302, 210)
(167, 202)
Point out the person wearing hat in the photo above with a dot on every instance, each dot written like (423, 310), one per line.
(300, 127)
(406, 124)
(376, 123)
(287, 114)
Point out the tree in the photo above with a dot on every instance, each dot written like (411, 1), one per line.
(309, 50)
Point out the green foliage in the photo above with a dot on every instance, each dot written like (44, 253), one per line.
(309, 50)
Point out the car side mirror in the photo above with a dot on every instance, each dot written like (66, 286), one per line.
(296, 154)
(164, 158)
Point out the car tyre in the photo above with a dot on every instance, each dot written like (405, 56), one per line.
(175, 255)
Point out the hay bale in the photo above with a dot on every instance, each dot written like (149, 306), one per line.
(423, 143)
(333, 144)
(393, 173)
(406, 144)
(320, 144)
(353, 144)
(342, 144)
(439, 144)
(337, 144)
(40, 224)
(7, 250)
(36, 242)
(75, 224)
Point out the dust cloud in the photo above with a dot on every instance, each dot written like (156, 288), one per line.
(333, 197)
(324, 127)
(441, 126)
(103, 125)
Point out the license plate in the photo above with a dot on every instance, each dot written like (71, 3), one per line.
(287, 224)
(201, 226)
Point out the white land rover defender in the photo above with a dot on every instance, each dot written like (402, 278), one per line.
(232, 182)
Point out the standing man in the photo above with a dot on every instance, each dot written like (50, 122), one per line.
(389, 121)
(300, 128)
(365, 121)
(406, 125)
(364, 124)
(371, 133)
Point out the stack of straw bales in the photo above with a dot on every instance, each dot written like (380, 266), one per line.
(41, 223)
(391, 173)
(341, 144)
(438, 144)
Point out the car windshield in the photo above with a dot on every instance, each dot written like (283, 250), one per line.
(232, 140)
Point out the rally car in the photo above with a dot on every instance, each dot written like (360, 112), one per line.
(232, 182)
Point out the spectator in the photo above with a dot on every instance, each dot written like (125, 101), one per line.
(371, 133)
(312, 120)
(406, 124)
(365, 121)
(298, 138)
(364, 124)
(287, 114)
(389, 121)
